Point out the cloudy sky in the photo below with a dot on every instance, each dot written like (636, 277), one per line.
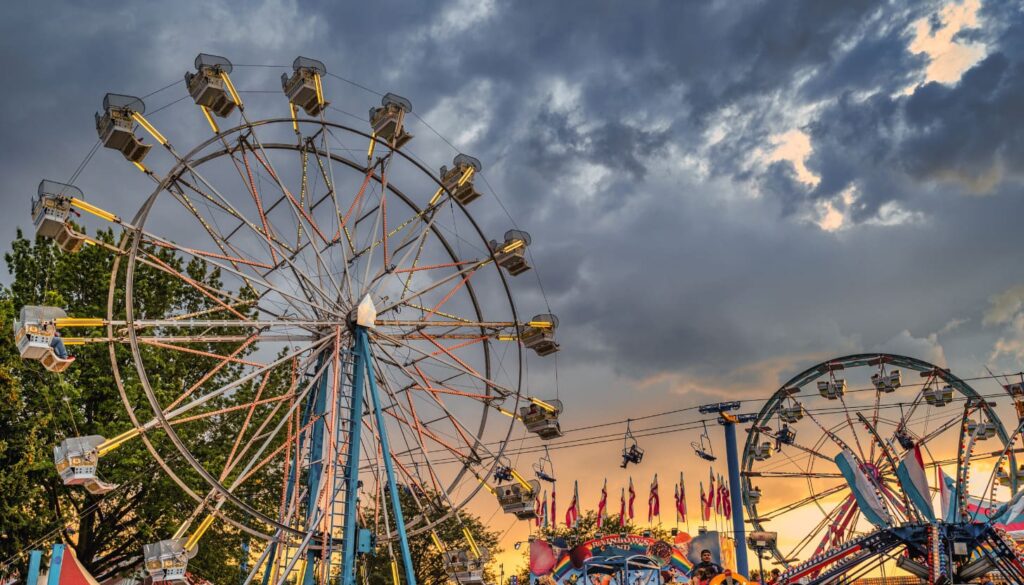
(719, 193)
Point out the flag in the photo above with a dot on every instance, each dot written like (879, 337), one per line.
(718, 497)
(554, 514)
(572, 515)
(681, 501)
(677, 502)
(653, 501)
(726, 502)
(712, 492)
(538, 513)
(622, 508)
(544, 509)
(602, 505)
(706, 503)
(632, 496)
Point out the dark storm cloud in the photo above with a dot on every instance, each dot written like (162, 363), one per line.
(624, 137)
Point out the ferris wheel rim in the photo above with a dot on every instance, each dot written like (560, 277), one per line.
(144, 211)
(808, 375)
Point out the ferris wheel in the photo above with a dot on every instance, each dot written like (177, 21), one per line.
(355, 332)
(847, 433)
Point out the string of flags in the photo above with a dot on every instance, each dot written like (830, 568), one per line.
(714, 501)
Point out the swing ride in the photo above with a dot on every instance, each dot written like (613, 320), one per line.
(358, 336)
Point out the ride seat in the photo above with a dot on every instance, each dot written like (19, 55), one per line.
(303, 88)
(450, 178)
(388, 121)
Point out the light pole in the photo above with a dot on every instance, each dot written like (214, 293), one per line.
(760, 542)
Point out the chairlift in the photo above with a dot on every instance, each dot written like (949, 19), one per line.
(388, 121)
(544, 468)
(503, 473)
(703, 448)
(631, 451)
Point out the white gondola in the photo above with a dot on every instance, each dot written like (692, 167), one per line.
(388, 121)
(116, 126)
(518, 500)
(760, 451)
(936, 396)
(34, 331)
(303, 88)
(754, 495)
(76, 459)
(511, 254)
(51, 211)
(208, 87)
(167, 560)
(791, 414)
(542, 421)
(887, 382)
(462, 189)
(465, 567)
(539, 334)
(832, 389)
(981, 430)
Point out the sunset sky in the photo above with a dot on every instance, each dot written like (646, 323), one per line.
(719, 193)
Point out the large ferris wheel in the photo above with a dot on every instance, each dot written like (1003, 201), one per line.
(357, 340)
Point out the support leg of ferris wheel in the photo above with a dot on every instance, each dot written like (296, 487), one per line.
(316, 464)
(364, 376)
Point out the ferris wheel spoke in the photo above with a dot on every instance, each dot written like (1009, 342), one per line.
(831, 524)
(213, 371)
(802, 502)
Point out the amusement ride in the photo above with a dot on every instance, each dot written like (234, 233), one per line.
(355, 325)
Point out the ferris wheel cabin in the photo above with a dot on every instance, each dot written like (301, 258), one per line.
(458, 180)
(167, 560)
(76, 459)
(981, 430)
(208, 86)
(465, 567)
(34, 331)
(832, 389)
(791, 414)
(116, 126)
(303, 88)
(541, 420)
(539, 334)
(51, 211)
(760, 451)
(516, 499)
(388, 121)
(754, 495)
(511, 254)
(1004, 478)
(887, 382)
(936, 396)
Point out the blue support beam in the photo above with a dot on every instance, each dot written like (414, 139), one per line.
(355, 427)
(363, 348)
(316, 464)
(738, 529)
(56, 560)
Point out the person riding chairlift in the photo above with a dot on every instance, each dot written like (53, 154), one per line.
(57, 343)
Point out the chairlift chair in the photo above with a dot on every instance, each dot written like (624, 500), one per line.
(503, 473)
(76, 459)
(516, 499)
(631, 451)
(702, 447)
(832, 389)
(937, 396)
(116, 126)
(303, 88)
(541, 420)
(388, 121)
(462, 190)
(208, 87)
(539, 334)
(167, 560)
(541, 467)
(33, 332)
(511, 254)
